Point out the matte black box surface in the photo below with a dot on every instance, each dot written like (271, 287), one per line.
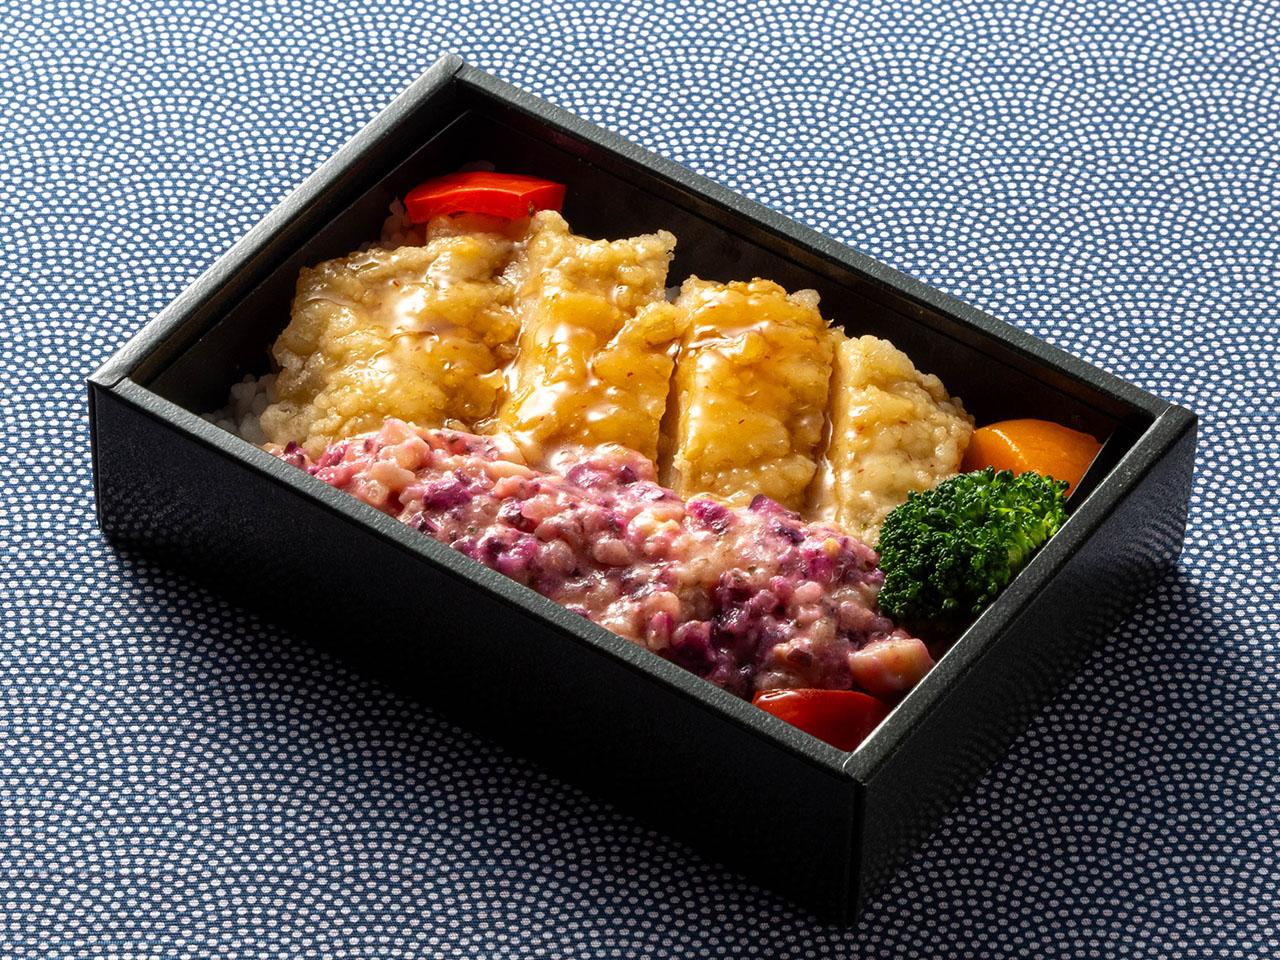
(825, 827)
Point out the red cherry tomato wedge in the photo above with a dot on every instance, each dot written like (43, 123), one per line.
(842, 718)
(509, 195)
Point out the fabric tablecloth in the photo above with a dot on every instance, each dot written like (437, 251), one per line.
(180, 779)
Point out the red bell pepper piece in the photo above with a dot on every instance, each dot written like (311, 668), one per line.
(843, 718)
(509, 195)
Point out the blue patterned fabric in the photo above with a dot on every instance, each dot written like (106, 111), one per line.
(179, 779)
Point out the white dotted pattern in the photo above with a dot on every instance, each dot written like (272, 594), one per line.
(178, 779)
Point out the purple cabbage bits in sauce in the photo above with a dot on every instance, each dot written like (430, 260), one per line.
(750, 598)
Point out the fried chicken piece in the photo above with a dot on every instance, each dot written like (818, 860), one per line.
(417, 332)
(751, 388)
(893, 430)
(594, 359)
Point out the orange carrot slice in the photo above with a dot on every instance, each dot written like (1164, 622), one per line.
(1040, 446)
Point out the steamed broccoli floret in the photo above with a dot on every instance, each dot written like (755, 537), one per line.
(947, 552)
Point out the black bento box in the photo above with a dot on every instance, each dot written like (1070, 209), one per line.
(824, 827)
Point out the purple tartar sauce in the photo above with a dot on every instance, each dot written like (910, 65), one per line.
(752, 598)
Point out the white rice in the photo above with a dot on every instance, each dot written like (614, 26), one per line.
(243, 411)
(398, 231)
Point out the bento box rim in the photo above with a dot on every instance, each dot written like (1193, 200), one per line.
(1169, 424)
